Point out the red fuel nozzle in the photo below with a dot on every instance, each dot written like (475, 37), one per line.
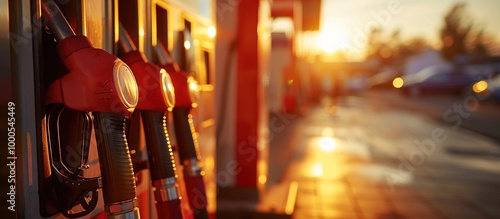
(186, 89)
(156, 97)
(156, 91)
(100, 83)
(185, 86)
(97, 81)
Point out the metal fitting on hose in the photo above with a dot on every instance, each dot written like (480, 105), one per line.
(127, 215)
(192, 168)
(124, 210)
(166, 189)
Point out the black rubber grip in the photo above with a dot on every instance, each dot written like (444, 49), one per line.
(118, 184)
(188, 149)
(161, 160)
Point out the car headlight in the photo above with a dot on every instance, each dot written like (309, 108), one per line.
(167, 89)
(193, 90)
(480, 86)
(398, 82)
(125, 84)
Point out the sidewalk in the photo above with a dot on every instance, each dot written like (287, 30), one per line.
(484, 118)
(342, 173)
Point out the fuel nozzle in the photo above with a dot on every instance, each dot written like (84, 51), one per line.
(157, 84)
(186, 97)
(96, 82)
(157, 88)
(88, 67)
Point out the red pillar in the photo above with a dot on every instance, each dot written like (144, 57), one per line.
(247, 98)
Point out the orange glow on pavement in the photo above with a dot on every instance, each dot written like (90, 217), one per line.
(317, 169)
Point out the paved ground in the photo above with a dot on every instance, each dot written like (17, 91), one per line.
(468, 111)
(363, 158)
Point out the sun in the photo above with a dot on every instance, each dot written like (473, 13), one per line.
(331, 39)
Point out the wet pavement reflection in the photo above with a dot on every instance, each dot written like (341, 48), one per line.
(356, 158)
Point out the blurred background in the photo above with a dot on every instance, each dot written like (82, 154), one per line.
(396, 105)
(367, 45)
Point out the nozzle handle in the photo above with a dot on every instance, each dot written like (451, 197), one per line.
(162, 164)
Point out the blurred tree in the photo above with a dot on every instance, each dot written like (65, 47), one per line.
(381, 47)
(396, 42)
(375, 43)
(393, 50)
(480, 45)
(457, 27)
(407, 48)
(414, 45)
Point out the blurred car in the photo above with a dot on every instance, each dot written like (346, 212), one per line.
(438, 79)
(382, 79)
(489, 89)
(355, 84)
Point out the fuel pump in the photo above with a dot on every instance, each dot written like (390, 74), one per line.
(98, 91)
(156, 99)
(186, 97)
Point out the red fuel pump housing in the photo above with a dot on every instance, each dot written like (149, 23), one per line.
(88, 87)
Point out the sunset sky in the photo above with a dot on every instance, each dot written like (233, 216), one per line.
(344, 22)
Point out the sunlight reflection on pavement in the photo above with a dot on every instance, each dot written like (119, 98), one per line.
(360, 161)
